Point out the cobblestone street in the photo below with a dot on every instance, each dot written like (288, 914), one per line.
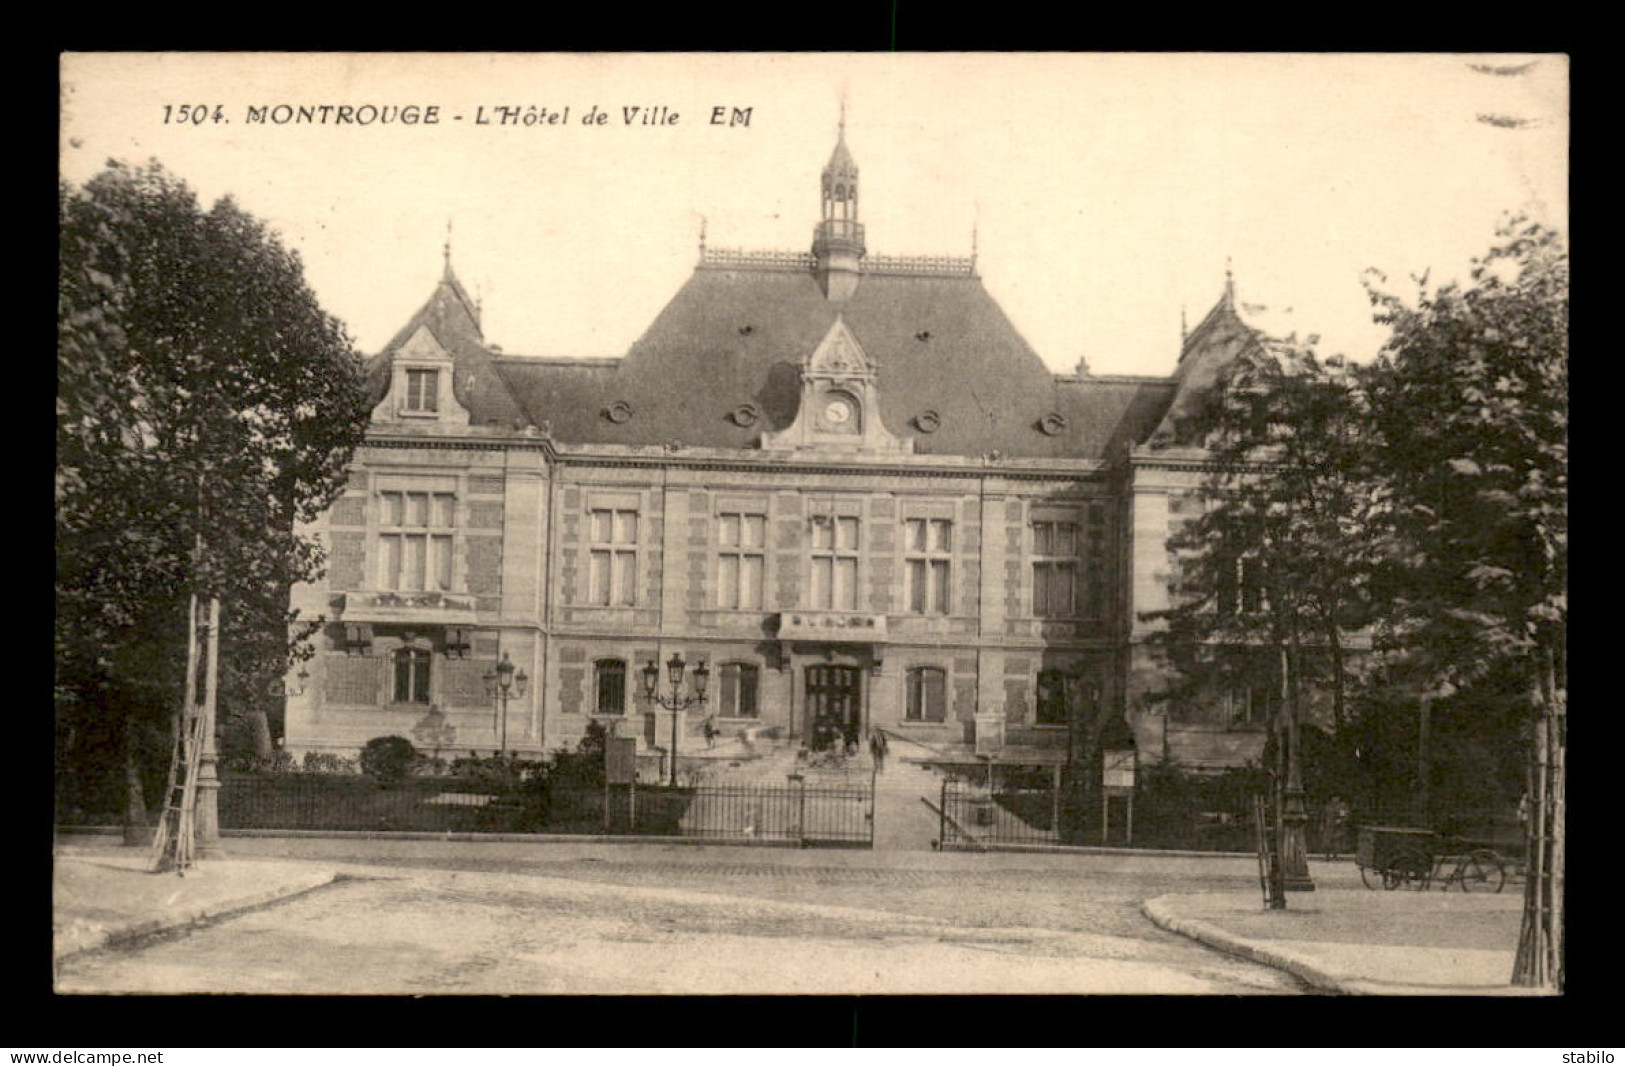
(515, 918)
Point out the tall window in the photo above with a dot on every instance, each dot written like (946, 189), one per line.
(1055, 569)
(927, 697)
(1248, 704)
(835, 564)
(929, 545)
(741, 539)
(1240, 585)
(613, 579)
(738, 696)
(1051, 709)
(609, 676)
(416, 532)
(1094, 563)
(412, 675)
(422, 390)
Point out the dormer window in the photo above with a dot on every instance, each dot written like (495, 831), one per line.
(423, 391)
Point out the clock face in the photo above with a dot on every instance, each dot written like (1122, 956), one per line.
(838, 412)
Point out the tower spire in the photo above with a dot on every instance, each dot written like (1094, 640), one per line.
(445, 251)
(838, 241)
(1229, 285)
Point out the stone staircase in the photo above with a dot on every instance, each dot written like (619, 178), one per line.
(902, 790)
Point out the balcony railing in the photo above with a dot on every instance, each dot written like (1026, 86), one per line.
(388, 606)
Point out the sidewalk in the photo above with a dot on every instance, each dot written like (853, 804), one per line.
(102, 897)
(1340, 939)
(1362, 942)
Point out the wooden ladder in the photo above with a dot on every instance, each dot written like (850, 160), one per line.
(1271, 875)
(174, 845)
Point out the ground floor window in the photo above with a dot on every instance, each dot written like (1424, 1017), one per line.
(610, 678)
(737, 696)
(412, 675)
(927, 698)
(1051, 709)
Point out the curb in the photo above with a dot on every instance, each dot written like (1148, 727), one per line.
(508, 838)
(138, 930)
(1161, 915)
(475, 838)
(970, 844)
(1085, 849)
(1160, 912)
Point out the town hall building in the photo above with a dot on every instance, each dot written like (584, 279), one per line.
(840, 479)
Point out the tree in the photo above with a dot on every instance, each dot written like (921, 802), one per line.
(1275, 572)
(206, 404)
(1469, 398)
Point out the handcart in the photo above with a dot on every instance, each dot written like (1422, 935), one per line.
(1399, 857)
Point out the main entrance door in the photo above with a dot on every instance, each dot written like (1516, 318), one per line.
(834, 706)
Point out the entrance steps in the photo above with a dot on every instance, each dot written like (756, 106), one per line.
(905, 790)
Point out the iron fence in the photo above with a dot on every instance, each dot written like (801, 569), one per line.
(972, 816)
(808, 815)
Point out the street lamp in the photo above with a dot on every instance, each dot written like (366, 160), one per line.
(500, 686)
(676, 702)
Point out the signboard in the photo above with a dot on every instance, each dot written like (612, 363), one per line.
(1118, 769)
(620, 760)
(845, 626)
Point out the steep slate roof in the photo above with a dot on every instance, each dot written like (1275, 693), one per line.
(454, 320)
(1222, 335)
(738, 335)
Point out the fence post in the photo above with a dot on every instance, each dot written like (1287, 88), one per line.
(797, 828)
(874, 771)
(801, 815)
(942, 816)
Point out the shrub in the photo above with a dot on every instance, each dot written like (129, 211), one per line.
(387, 760)
(326, 762)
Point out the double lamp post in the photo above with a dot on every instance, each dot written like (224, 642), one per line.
(501, 685)
(676, 703)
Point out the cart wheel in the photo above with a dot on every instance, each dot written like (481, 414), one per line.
(1373, 877)
(1483, 872)
(1410, 870)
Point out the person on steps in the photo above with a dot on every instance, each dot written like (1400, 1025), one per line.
(877, 748)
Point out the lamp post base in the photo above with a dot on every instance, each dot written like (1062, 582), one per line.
(1294, 844)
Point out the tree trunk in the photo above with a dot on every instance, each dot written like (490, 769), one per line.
(137, 833)
(1424, 815)
(1539, 961)
(1334, 642)
(259, 731)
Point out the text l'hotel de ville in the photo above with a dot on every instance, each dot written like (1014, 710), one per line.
(206, 114)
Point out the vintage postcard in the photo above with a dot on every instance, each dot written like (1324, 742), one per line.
(758, 492)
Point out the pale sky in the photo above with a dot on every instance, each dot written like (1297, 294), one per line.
(1107, 191)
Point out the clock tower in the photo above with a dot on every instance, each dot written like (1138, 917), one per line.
(840, 401)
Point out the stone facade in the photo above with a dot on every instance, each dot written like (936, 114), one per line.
(861, 500)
